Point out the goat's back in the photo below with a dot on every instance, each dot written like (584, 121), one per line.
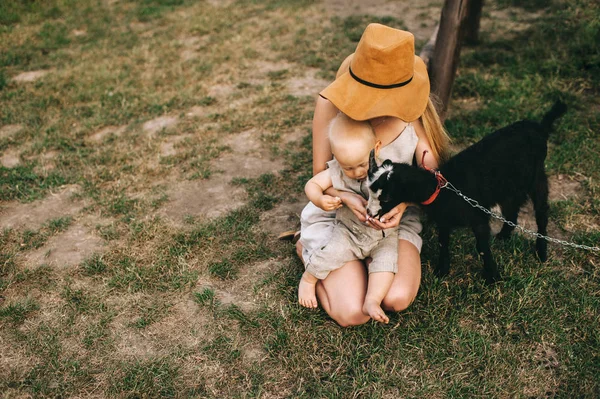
(501, 165)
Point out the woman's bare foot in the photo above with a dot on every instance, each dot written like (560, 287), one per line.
(307, 291)
(372, 308)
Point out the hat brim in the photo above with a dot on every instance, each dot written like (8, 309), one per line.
(361, 102)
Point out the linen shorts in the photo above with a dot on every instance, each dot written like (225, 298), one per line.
(317, 227)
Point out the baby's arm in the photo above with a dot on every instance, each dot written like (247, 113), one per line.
(315, 188)
(307, 291)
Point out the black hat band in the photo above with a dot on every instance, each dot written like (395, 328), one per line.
(377, 86)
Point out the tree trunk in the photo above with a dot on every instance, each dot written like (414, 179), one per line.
(442, 68)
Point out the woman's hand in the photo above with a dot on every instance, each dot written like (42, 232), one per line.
(390, 219)
(357, 204)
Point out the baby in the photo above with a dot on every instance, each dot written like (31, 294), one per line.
(351, 142)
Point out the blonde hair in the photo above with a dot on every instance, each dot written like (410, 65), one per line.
(434, 130)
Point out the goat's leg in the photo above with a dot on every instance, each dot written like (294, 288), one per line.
(443, 265)
(510, 211)
(482, 235)
(539, 197)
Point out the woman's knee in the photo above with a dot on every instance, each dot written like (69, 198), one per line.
(397, 301)
(350, 317)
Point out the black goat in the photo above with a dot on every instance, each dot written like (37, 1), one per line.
(504, 168)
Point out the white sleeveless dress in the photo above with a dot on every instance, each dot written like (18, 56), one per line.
(316, 225)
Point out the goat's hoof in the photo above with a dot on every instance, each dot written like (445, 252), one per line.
(541, 248)
(440, 273)
(503, 235)
(542, 256)
(490, 280)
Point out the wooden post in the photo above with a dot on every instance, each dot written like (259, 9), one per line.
(427, 50)
(442, 68)
(472, 23)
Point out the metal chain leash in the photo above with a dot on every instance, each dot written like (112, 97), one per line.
(475, 204)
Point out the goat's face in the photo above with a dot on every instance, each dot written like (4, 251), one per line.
(388, 186)
(379, 188)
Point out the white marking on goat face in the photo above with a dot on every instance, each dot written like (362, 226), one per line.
(373, 206)
(381, 170)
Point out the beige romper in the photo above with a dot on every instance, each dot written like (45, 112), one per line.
(317, 225)
(351, 239)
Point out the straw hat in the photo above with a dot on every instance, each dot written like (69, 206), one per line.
(383, 77)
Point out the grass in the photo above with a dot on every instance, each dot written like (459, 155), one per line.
(207, 307)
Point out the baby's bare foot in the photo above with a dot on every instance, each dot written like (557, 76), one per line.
(373, 309)
(306, 294)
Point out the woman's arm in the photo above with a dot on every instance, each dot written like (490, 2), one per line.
(325, 111)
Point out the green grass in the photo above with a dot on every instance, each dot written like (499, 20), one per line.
(153, 378)
(17, 312)
(207, 307)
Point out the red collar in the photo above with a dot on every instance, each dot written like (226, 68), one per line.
(441, 181)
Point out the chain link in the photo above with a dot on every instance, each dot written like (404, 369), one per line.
(475, 204)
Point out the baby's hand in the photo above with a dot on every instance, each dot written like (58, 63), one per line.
(329, 203)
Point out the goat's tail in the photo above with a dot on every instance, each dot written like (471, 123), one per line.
(558, 109)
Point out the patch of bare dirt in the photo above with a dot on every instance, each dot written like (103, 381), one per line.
(159, 338)
(220, 90)
(215, 196)
(168, 146)
(33, 215)
(420, 19)
(284, 217)
(67, 249)
(189, 318)
(191, 46)
(197, 111)
(107, 131)
(202, 198)
(156, 125)
(230, 296)
(295, 135)
(241, 291)
(133, 344)
(10, 130)
(10, 158)
(188, 54)
(46, 162)
(307, 85)
(561, 188)
(263, 67)
(248, 158)
(253, 354)
(220, 3)
(31, 76)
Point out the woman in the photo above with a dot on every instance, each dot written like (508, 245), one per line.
(385, 83)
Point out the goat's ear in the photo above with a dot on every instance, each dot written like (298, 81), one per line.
(387, 162)
(372, 162)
